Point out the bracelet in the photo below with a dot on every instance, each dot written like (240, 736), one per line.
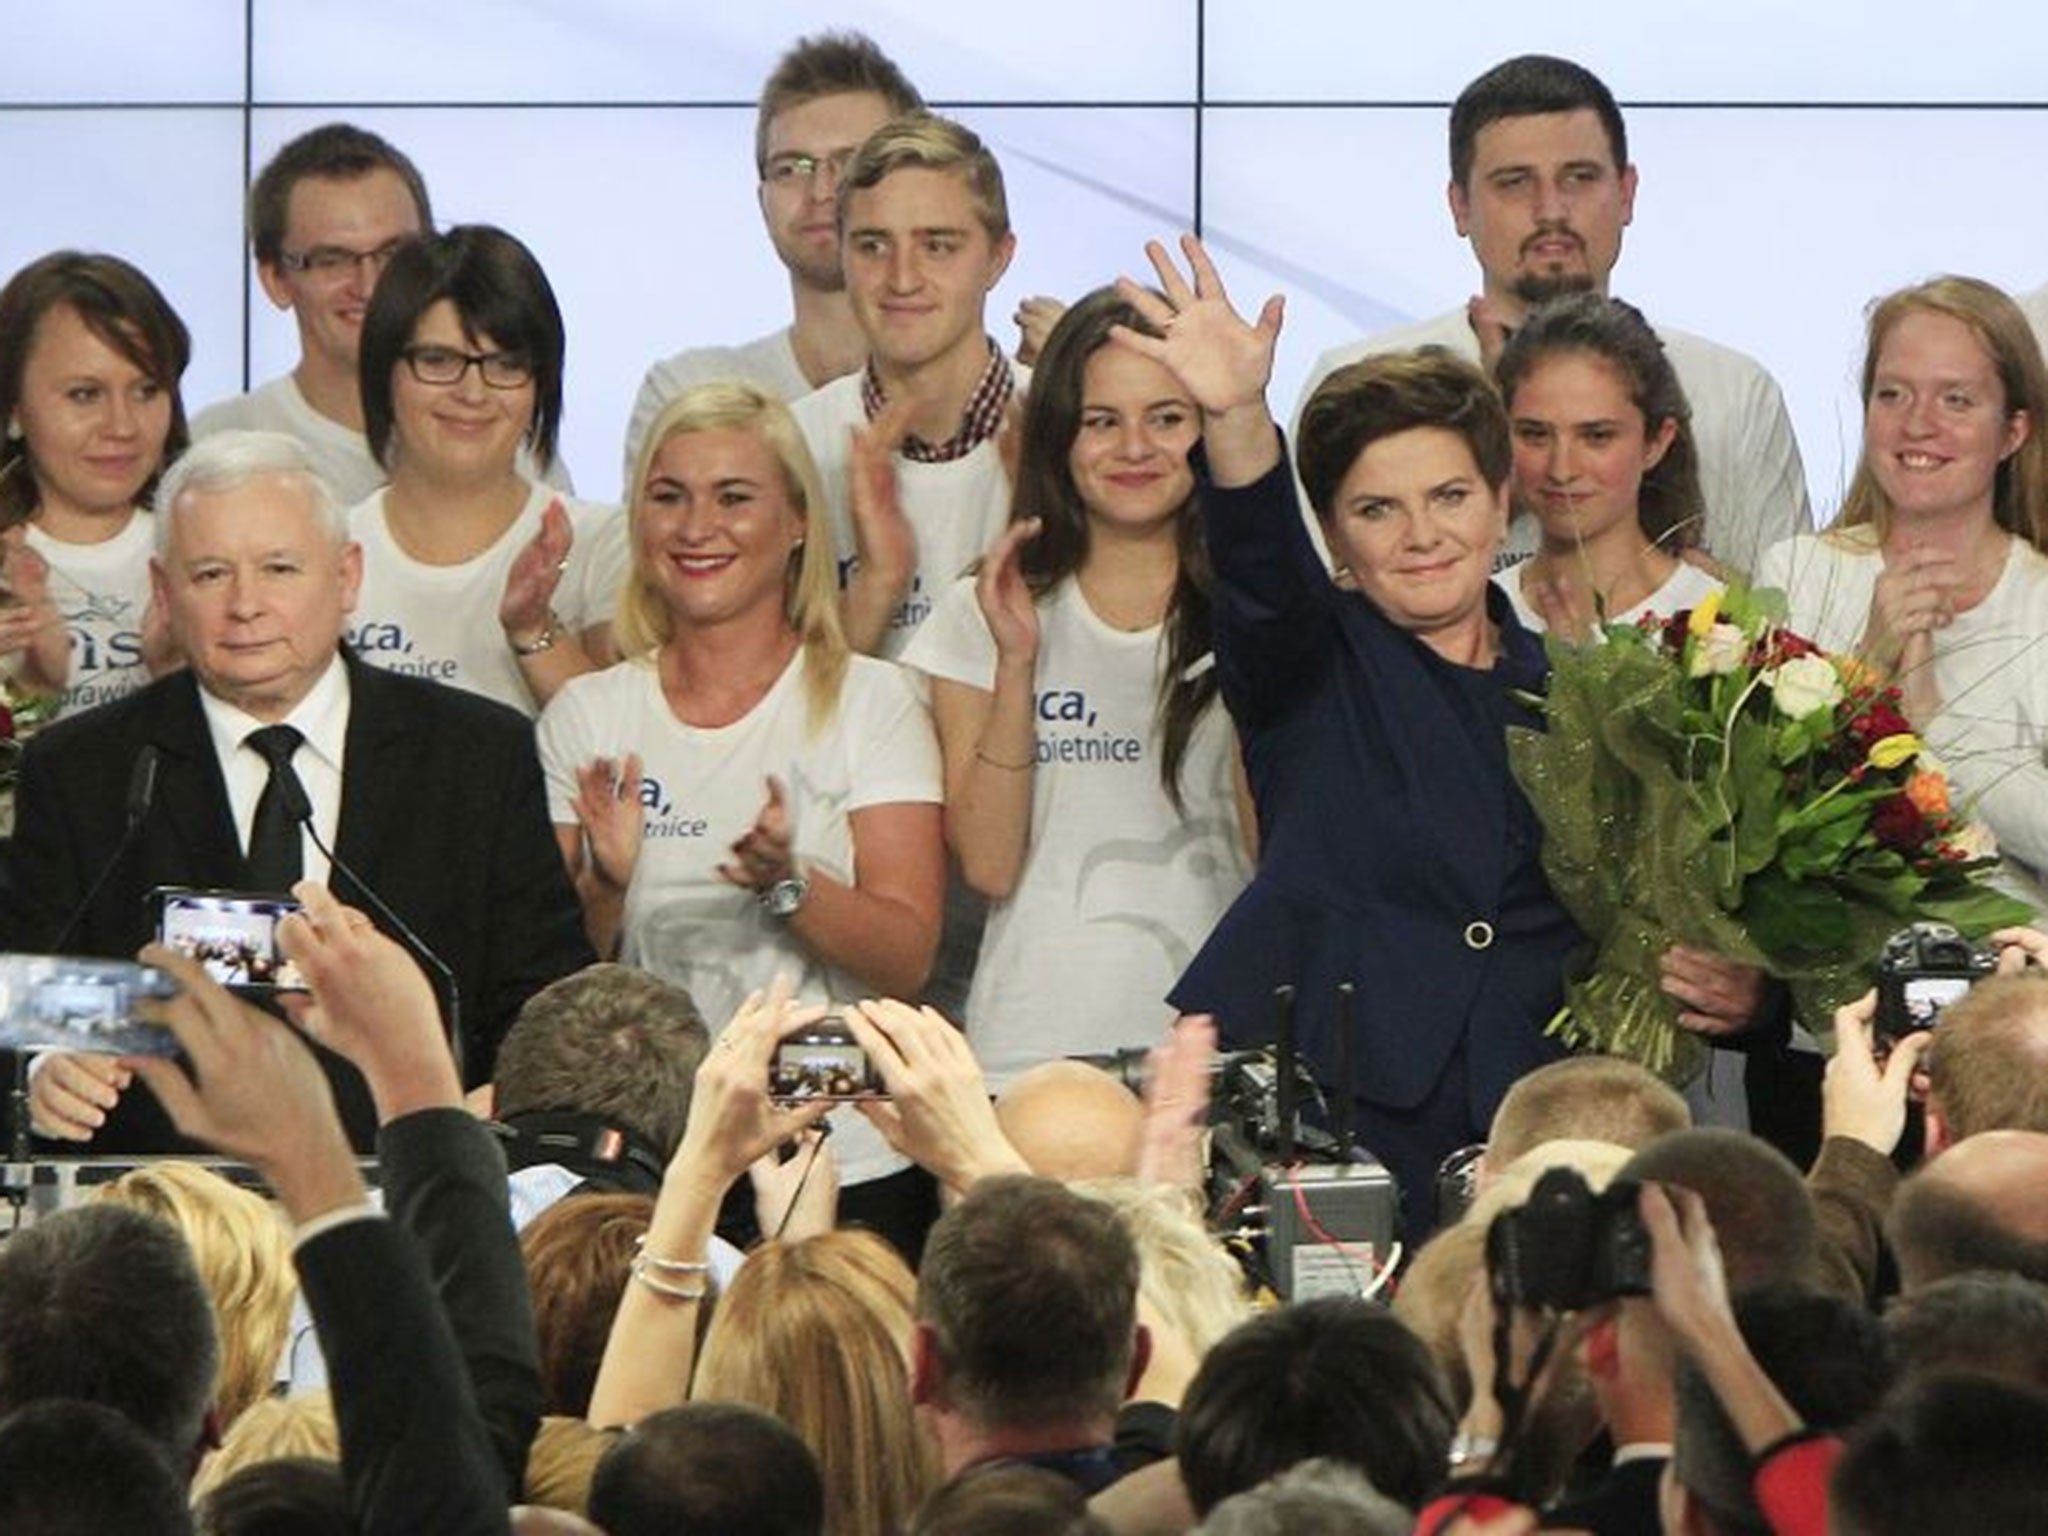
(996, 762)
(642, 1270)
(666, 1266)
(544, 641)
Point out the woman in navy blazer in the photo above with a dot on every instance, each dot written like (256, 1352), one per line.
(1397, 851)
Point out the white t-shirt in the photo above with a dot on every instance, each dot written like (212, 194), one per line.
(1990, 665)
(1683, 588)
(2035, 307)
(102, 591)
(1118, 890)
(441, 621)
(956, 509)
(767, 362)
(1750, 474)
(340, 453)
(704, 788)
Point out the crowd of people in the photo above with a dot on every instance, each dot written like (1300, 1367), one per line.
(982, 714)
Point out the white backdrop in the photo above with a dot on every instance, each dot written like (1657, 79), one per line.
(1793, 165)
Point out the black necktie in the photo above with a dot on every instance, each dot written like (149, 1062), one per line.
(276, 857)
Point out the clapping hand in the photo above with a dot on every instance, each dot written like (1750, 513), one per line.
(1005, 597)
(536, 572)
(614, 820)
(764, 854)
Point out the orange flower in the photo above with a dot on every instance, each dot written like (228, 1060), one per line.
(1929, 793)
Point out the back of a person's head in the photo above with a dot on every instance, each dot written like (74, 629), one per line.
(290, 1496)
(103, 1304)
(1989, 1067)
(708, 1469)
(1954, 1453)
(1762, 1214)
(1007, 1499)
(816, 1332)
(1322, 1497)
(1188, 1281)
(575, 1252)
(562, 1461)
(1982, 1323)
(1069, 1120)
(1982, 1204)
(82, 1469)
(1826, 1355)
(1586, 1098)
(277, 1429)
(243, 1249)
(1330, 1377)
(1029, 1292)
(611, 1042)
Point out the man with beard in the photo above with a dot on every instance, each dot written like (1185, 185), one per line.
(827, 94)
(1542, 186)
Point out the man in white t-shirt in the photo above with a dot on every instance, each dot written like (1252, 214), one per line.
(924, 230)
(1542, 187)
(325, 216)
(827, 94)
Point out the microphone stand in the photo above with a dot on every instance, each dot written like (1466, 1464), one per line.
(18, 1176)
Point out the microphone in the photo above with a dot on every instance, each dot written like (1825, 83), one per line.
(299, 806)
(141, 796)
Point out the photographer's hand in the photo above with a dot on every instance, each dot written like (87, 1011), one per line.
(1861, 1098)
(938, 1113)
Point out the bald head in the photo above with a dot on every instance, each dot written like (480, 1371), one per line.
(1071, 1121)
(1983, 1204)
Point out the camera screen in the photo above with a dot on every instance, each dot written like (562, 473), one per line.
(233, 937)
(1927, 996)
(821, 1069)
(72, 1004)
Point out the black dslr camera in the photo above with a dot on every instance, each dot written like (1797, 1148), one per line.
(1922, 970)
(1568, 1248)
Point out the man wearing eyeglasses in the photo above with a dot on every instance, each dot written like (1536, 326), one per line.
(827, 94)
(326, 215)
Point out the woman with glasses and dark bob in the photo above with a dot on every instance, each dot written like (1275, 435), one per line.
(90, 358)
(1089, 764)
(474, 573)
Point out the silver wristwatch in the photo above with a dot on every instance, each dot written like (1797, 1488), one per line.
(786, 895)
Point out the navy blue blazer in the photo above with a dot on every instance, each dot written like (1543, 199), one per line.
(1397, 851)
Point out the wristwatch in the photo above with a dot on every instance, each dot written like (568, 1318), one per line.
(784, 897)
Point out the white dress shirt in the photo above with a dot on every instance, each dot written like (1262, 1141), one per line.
(322, 718)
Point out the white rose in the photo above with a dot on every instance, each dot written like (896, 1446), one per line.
(1719, 652)
(1803, 685)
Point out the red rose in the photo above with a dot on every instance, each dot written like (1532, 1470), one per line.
(6, 723)
(1877, 721)
(1784, 645)
(1676, 628)
(1897, 823)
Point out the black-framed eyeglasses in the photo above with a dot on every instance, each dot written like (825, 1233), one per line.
(447, 365)
(329, 263)
(788, 170)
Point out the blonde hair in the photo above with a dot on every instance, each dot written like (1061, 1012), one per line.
(244, 1256)
(925, 141)
(2019, 494)
(275, 1429)
(811, 591)
(817, 1333)
(562, 1461)
(1185, 1279)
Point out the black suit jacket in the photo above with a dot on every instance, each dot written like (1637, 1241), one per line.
(443, 815)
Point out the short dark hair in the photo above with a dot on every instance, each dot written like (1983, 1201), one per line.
(1954, 1453)
(498, 288)
(104, 1304)
(1939, 1228)
(1985, 1323)
(1591, 1098)
(1760, 1207)
(334, 152)
(830, 64)
(1007, 1498)
(1670, 507)
(290, 1496)
(1332, 1377)
(708, 1469)
(1396, 392)
(82, 1469)
(611, 1041)
(1031, 1295)
(1531, 85)
(1826, 1355)
(119, 305)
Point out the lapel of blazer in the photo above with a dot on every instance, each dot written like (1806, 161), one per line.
(192, 795)
(381, 793)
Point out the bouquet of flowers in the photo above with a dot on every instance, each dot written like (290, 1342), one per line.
(22, 713)
(1716, 780)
